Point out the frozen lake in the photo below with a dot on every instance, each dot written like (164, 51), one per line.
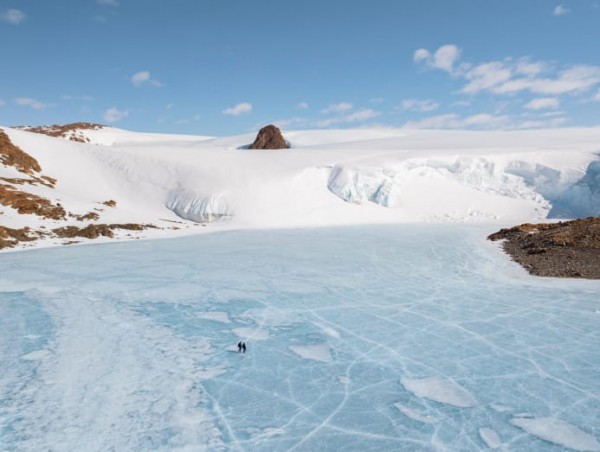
(364, 338)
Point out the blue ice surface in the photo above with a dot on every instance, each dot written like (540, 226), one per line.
(386, 303)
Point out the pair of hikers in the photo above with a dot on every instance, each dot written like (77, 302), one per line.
(241, 347)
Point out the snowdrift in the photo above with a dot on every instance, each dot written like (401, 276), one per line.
(333, 177)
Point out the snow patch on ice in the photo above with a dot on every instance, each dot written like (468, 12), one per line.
(499, 408)
(558, 432)
(251, 333)
(490, 438)
(216, 316)
(415, 415)
(319, 352)
(440, 390)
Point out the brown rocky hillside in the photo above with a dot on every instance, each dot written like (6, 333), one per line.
(67, 131)
(567, 249)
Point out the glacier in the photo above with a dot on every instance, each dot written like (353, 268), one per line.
(397, 337)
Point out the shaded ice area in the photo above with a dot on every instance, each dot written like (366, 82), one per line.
(362, 338)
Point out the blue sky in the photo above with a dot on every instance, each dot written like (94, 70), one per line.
(221, 67)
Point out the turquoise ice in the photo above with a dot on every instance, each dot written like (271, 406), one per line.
(360, 338)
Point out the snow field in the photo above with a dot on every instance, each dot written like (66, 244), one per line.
(328, 178)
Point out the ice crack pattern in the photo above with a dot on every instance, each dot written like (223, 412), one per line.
(361, 338)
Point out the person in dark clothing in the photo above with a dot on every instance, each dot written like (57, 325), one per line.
(243, 347)
(239, 346)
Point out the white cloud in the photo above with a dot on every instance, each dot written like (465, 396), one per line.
(12, 16)
(447, 121)
(420, 105)
(454, 121)
(239, 109)
(539, 124)
(597, 97)
(337, 108)
(2, 102)
(109, 2)
(510, 76)
(461, 103)
(531, 69)
(357, 116)
(114, 114)
(291, 122)
(484, 121)
(443, 58)
(543, 103)
(486, 76)
(575, 79)
(560, 10)
(83, 98)
(302, 106)
(144, 78)
(421, 55)
(29, 102)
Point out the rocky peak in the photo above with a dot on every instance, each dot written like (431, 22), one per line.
(269, 137)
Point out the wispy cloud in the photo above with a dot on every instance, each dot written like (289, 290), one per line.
(79, 98)
(302, 106)
(560, 10)
(597, 97)
(29, 102)
(144, 78)
(511, 76)
(2, 102)
(543, 103)
(109, 2)
(12, 16)
(239, 109)
(419, 105)
(357, 116)
(114, 114)
(483, 121)
(337, 108)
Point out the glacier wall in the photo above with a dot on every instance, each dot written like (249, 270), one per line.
(558, 193)
(201, 209)
(581, 199)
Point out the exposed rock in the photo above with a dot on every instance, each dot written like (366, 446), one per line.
(90, 216)
(91, 231)
(567, 249)
(110, 203)
(11, 237)
(269, 137)
(12, 155)
(70, 132)
(28, 203)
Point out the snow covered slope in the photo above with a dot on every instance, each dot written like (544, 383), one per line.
(332, 177)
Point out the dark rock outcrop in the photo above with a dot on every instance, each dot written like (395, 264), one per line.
(70, 132)
(269, 137)
(12, 155)
(569, 249)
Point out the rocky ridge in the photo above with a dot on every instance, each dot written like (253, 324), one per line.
(70, 132)
(569, 249)
(14, 196)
